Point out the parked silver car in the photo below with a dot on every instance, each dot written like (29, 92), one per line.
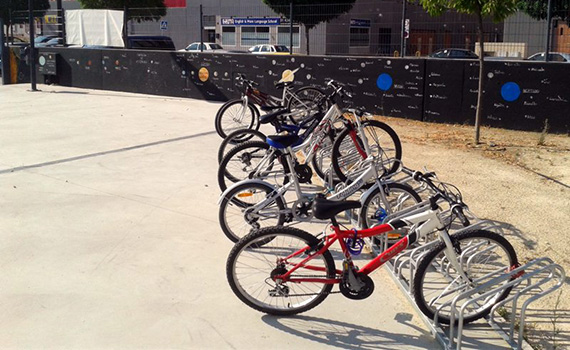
(552, 57)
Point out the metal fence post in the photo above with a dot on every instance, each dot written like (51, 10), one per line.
(548, 29)
(291, 28)
(201, 30)
(32, 45)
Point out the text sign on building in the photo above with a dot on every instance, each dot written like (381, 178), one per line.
(251, 21)
(359, 22)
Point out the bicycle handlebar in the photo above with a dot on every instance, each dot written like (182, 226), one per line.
(456, 204)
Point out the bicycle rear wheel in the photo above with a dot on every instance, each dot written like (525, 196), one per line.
(437, 282)
(383, 143)
(269, 252)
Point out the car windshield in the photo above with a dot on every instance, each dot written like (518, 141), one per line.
(216, 47)
(281, 48)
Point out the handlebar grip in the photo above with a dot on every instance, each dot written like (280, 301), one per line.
(407, 171)
(461, 216)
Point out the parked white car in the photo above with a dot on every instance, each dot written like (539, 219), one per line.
(207, 47)
(269, 49)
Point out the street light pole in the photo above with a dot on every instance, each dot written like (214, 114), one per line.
(548, 28)
(403, 39)
(32, 45)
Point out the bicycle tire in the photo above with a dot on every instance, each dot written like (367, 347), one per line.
(249, 268)
(429, 263)
(242, 160)
(345, 155)
(223, 120)
(237, 137)
(373, 211)
(237, 227)
(306, 99)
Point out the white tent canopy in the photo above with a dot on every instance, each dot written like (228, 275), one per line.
(94, 27)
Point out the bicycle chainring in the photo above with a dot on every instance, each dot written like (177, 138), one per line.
(303, 209)
(357, 292)
(304, 173)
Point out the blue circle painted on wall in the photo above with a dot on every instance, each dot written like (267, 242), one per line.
(510, 91)
(384, 81)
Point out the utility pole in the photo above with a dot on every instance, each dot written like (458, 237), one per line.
(201, 30)
(4, 54)
(125, 24)
(403, 39)
(61, 21)
(548, 29)
(291, 28)
(32, 45)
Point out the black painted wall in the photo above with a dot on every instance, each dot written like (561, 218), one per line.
(518, 95)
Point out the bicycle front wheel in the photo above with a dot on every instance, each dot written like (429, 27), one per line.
(233, 115)
(378, 205)
(482, 255)
(251, 159)
(239, 213)
(348, 153)
(257, 258)
(237, 137)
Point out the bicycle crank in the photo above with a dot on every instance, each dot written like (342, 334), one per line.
(357, 288)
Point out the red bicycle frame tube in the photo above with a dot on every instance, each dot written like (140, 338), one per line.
(341, 235)
(352, 134)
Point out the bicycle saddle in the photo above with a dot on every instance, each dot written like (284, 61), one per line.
(267, 108)
(283, 141)
(270, 117)
(325, 209)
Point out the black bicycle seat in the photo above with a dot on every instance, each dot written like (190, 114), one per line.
(269, 117)
(281, 85)
(283, 141)
(325, 209)
(268, 108)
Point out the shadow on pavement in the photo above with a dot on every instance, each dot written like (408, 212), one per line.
(349, 336)
(99, 154)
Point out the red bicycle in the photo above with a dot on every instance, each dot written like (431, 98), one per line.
(285, 271)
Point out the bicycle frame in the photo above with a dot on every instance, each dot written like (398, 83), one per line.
(427, 221)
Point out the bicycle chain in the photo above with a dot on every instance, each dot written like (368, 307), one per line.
(309, 294)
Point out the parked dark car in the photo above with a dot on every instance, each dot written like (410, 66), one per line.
(150, 43)
(454, 53)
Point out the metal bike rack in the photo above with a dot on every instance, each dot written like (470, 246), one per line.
(541, 276)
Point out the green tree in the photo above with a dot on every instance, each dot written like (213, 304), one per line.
(537, 9)
(14, 11)
(138, 10)
(498, 10)
(310, 12)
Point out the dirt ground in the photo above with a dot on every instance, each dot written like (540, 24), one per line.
(519, 179)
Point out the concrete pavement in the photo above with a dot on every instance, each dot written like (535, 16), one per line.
(109, 237)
